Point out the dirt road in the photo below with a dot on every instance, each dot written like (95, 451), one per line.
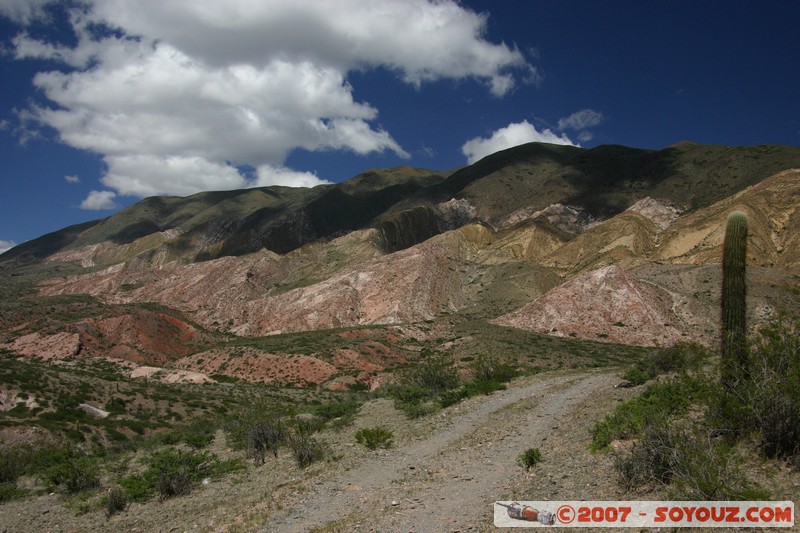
(448, 480)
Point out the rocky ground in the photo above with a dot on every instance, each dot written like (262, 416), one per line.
(443, 473)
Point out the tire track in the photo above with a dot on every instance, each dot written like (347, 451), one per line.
(448, 480)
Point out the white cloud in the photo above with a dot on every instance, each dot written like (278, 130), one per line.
(184, 92)
(271, 175)
(99, 201)
(72, 179)
(24, 11)
(581, 120)
(512, 135)
(424, 40)
(6, 246)
(150, 175)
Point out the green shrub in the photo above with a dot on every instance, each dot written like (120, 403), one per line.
(433, 374)
(774, 386)
(11, 464)
(530, 458)
(655, 404)
(408, 394)
(490, 368)
(344, 409)
(172, 472)
(767, 402)
(690, 462)
(177, 482)
(679, 358)
(75, 475)
(116, 501)
(198, 435)
(452, 397)
(307, 450)
(138, 488)
(376, 437)
(417, 410)
(636, 375)
(9, 491)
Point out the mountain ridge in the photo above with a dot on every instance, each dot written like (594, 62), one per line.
(604, 181)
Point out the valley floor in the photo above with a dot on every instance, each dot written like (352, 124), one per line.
(443, 474)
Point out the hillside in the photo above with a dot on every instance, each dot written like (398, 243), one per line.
(517, 235)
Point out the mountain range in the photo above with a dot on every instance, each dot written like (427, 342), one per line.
(334, 284)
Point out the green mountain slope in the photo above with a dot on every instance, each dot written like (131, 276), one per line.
(401, 202)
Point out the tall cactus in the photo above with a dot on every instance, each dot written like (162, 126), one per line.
(734, 310)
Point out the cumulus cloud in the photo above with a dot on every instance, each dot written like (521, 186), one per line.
(99, 201)
(72, 179)
(182, 94)
(6, 246)
(512, 135)
(271, 175)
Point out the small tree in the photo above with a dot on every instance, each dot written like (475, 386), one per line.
(735, 365)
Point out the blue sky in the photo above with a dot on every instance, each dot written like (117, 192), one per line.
(103, 102)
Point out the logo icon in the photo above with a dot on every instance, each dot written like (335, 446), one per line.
(527, 513)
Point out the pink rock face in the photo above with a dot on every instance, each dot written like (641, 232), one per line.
(606, 305)
(235, 294)
(57, 346)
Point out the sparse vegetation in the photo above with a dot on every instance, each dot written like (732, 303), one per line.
(116, 501)
(171, 472)
(307, 450)
(530, 458)
(679, 358)
(692, 434)
(692, 464)
(420, 385)
(374, 438)
(265, 436)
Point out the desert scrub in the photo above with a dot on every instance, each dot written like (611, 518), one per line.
(116, 501)
(375, 437)
(265, 436)
(767, 402)
(420, 386)
(530, 458)
(171, 472)
(658, 402)
(433, 374)
(339, 413)
(76, 474)
(307, 450)
(691, 434)
(679, 358)
(688, 462)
